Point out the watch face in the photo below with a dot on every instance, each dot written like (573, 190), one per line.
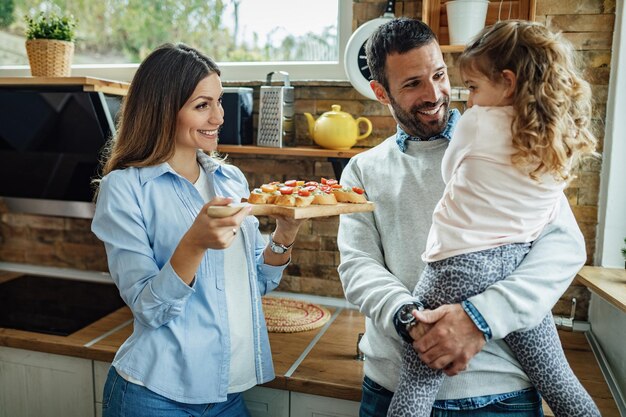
(277, 249)
(405, 315)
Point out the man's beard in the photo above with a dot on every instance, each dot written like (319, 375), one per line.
(413, 125)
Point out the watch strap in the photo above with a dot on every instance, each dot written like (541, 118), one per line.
(278, 247)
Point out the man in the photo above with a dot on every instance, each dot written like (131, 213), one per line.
(380, 251)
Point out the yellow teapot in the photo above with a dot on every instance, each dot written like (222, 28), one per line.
(337, 129)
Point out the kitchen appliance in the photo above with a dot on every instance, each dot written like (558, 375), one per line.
(237, 127)
(276, 113)
(55, 305)
(50, 142)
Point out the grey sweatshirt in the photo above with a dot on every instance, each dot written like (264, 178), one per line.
(381, 263)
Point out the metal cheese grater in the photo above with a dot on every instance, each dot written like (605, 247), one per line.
(276, 111)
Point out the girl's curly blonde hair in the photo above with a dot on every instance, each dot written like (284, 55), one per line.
(552, 102)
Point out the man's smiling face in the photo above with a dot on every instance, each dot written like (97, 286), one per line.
(419, 90)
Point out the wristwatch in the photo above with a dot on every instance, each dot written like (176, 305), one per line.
(277, 247)
(403, 320)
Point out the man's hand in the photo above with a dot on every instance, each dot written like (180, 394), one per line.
(451, 340)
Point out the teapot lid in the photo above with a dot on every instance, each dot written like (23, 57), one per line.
(336, 111)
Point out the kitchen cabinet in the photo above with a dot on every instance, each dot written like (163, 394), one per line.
(307, 405)
(267, 402)
(100, 371)
(270, 402)
(44, 384)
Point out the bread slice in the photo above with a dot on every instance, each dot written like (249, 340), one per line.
(347, 195)
(266, 194)
(304, 201)
(288, 200)
(258, 197)
(324, 199)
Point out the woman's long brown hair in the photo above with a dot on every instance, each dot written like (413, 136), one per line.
(161, 86)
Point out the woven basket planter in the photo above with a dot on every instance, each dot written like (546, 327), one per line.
(50, 58)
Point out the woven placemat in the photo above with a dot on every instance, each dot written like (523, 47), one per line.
(283, 315)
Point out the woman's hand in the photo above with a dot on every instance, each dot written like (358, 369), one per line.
(286, 229)
(205, 233)
(285, 234)
(215, 232)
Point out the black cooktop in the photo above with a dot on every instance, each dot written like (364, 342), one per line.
(55, 305)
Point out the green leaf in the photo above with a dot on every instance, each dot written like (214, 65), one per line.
(51, 26)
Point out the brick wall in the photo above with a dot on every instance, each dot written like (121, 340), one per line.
(588, 24)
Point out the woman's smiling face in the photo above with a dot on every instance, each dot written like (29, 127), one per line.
(199, 120)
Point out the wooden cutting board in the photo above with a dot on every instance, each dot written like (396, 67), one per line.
(293, 212)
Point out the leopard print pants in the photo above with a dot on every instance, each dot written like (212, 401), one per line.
(538, 350)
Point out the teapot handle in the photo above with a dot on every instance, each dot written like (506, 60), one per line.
(367, 131)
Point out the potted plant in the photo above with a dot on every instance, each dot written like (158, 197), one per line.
(50, 44)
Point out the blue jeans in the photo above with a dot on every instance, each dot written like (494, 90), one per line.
(123, 398)
(376, 399)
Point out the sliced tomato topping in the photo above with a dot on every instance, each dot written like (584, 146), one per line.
(274, 183)
(323, 180)
(358, 190)
(311, 183)
(304, 192)
(286, 190)
(335, 186)
(331, 182)
(291, 183)
(310, 188)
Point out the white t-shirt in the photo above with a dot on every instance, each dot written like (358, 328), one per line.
(487, 201)
(239, 305)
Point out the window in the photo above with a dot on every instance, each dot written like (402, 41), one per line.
(248, 38)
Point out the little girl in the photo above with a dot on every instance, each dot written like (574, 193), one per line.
(505, 170)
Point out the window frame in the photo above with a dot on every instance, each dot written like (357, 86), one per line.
(231, 71)
(612, 200)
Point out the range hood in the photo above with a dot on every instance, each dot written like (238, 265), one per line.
(51, 138)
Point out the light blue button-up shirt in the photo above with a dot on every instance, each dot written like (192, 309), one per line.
(180, 345)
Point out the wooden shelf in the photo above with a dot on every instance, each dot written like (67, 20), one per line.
(308, 151)
(434, 15)
(89, 84)
(608, 283)
(452, 48)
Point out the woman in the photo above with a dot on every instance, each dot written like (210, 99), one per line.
(194, 283)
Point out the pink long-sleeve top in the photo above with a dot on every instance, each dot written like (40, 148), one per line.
(487, 202)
